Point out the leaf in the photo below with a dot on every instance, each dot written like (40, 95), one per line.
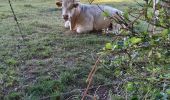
(150, 14)
(120, 44)
(126, 15)
(158, 54)
(135, 40)
(114, 47)
(105, 14)
(117, 72)
(167, 75)
(11, 61)
(126, 43)
(134, 97)
(165, 96)
(152, 79)
(108, 46)
(168, 91)
(130, 86)
(165, 33)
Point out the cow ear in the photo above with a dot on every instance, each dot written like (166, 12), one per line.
(59, 4)
(75, 5)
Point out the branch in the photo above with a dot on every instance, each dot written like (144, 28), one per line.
(90, 77)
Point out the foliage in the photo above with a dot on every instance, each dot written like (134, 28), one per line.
(143, 53)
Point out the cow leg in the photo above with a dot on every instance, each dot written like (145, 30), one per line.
(67, 24)
(81, 30)
(84, 29)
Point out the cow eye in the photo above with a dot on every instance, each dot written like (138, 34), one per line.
(75, 5)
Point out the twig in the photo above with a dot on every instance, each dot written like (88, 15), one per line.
(23, 60)
(146, 95)
(97, 90)
(19, 29)
(154, 16)
(141, 14)
(93, 69)
(138, 3)
(90, 77)
(16, 20)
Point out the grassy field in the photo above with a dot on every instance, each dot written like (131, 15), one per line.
(48, 63)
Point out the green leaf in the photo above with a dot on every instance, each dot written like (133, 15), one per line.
(117, 72)
(150, 14)
(126, 15)
(11, 61)
(158, 54)
(165, 96)
(165, 33)
(134, 97)
(135, 40)
(152, 79)
(105, 14)
(168, 91)
(167, 75)
(120, 44)
(130, 86)
(127, 42)
(108, 46)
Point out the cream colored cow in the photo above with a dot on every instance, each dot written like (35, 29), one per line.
(84, 18)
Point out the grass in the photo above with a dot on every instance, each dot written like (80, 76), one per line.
(52, 62)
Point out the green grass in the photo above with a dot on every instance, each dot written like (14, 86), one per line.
(51, 62)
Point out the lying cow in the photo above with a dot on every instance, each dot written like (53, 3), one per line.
(84, 18)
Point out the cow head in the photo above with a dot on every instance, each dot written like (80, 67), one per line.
(68, 7)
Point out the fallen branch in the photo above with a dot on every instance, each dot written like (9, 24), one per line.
(90, 77)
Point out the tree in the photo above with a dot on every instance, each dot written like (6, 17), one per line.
(140, 53)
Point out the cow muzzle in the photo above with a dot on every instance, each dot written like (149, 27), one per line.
(65, 17)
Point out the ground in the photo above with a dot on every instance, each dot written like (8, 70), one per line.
(48, 63)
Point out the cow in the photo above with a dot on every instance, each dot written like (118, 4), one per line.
(84, 18)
